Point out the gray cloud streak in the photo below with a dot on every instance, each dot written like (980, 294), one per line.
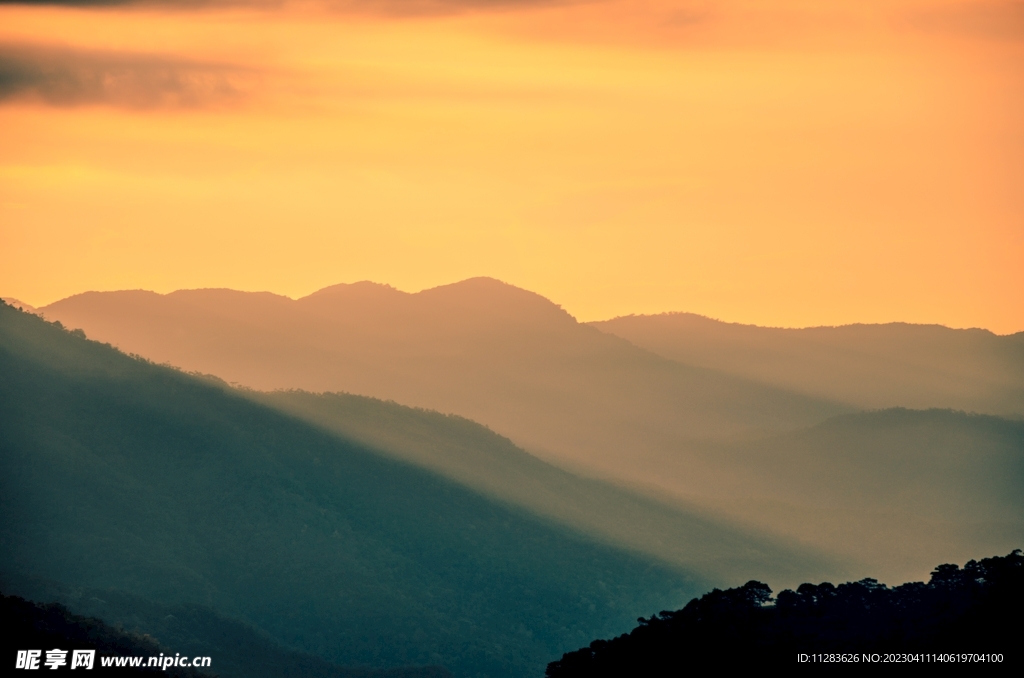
(995, 20)
(66, 77)
(183, 4)
(391, 7)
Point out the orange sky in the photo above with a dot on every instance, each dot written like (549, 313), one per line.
(787, 163)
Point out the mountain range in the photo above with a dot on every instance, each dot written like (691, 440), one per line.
(467, 479)
(133, 479)
(485, 350)
(742, 427)
(866, 366)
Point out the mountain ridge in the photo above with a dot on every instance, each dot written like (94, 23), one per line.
(482, 349)
(118, 473)
(867, 366)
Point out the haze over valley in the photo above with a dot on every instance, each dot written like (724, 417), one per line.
(773, 433)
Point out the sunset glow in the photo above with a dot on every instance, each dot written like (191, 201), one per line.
(781, 164)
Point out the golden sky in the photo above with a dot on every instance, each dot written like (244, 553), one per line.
(782, 163)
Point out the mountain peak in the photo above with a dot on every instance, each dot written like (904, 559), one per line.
(363, 288)
(483, 296)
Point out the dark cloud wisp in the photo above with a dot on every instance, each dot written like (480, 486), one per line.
(65, 77)
(992, 20)
(116, 3)
(391, 7)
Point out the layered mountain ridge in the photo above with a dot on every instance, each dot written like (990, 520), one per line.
(866, 366)
(714, 437)
(482, 349)
(119, 474)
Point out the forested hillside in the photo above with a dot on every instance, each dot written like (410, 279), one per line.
(235, 650)
(120, 474)
(961, 616)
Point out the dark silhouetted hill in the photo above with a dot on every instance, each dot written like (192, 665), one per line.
(236, 650)
(11, 301)
(971, 610)
(29, 626)
(867, 366)
(119, 474)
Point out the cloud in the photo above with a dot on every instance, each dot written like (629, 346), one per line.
(998, 19)
(121, 3)
(412, 7)
(68, 77)
(95, 3)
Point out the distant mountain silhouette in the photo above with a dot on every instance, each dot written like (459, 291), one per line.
(485, 350)
(235, 649)
(119, 474)
(869, 366)
(971, 610)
